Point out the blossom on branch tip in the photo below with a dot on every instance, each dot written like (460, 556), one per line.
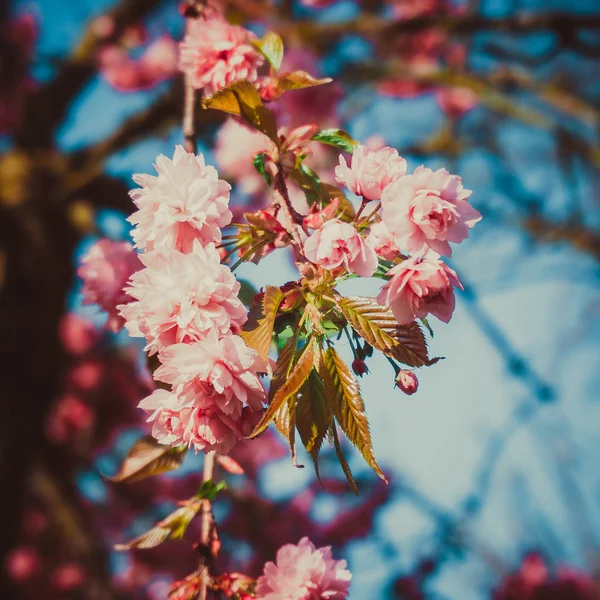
(304, 572)
(370, 171)
(418, 287)
(105, 271)
(428, 209)
(182, 298)
(214, 54)
(337, 243)
(185, 201)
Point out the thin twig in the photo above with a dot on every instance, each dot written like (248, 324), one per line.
(282, 198)
(205, 533)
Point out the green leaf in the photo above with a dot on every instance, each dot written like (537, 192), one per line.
(378, 326)
(343, 461)
(259, 164)
(313, 420)
(209, 489)
(173, 526)
(147, 458)
(298, 80)
(247, 291)
(298, 375)
(258, 333)
(336, 137)
(271, 47)
(348, 407)
(242, 98)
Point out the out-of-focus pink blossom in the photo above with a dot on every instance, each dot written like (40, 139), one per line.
(370, 171)
(235, 147)
(407, 381)
(22, 563)
(69, 417)
(457, 101)
(86, 375)
(226, 364)
(317, 3)
(186, 201)
(382, 241)
(338, 243)
(68, 577)
(303, 572)
(428, 209)
(78, 335)
(214, 54)
(418, 287)
(182, 297)
(156, 65)
(105, 270)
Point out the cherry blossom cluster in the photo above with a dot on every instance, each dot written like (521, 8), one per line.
(415, 218)
(185, 304)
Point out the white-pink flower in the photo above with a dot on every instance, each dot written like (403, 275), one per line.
(105, 271)
(337, 243)
(428, 209)
(182, 297)
(418, 287)
(382, 241)
(227, 365)
(304, 572)
(186, 201)
(214, 54)
(184, 417)
(370, 171)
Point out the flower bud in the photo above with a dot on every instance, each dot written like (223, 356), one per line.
(360, 367)
(407, 381)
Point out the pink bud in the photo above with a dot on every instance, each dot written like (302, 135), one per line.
(77, 334)
(360, 367)
(68, 577)
(22, 563)
(407, 381)
(230, 465)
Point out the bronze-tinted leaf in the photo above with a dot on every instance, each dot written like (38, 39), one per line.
(242, 98)
(343, 394)
(147, 458)
(298, 80)
(260, 336)
(284, 364)
(285, 421)
(173, 526)
(312, 416)
(271, 47)
(290, 387)
(378, 326)
(343, 461)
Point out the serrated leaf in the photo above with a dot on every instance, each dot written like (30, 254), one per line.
(343, 461)
(336, 137)
(147, 458)
(378, 326)
(343, 394)
(283, 365)
(312, 417)
(258, 333)
(259, 164)
(173, 526)
(298, 375)
(242, 98)
(271, 47)
(298, 80)
(285, 421)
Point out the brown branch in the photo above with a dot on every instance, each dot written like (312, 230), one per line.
(282, 198)
(206, 529)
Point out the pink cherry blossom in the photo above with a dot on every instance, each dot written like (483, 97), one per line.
(382, 241)
(428, 209)
(457, 101)
(226, 364)
(235, 147)
(370, 171)
(156, 65)
(214, 54)
(182, 297)
(418, 287)
(105, 271)
(337, 243)
(304, 572)
(186, 201)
